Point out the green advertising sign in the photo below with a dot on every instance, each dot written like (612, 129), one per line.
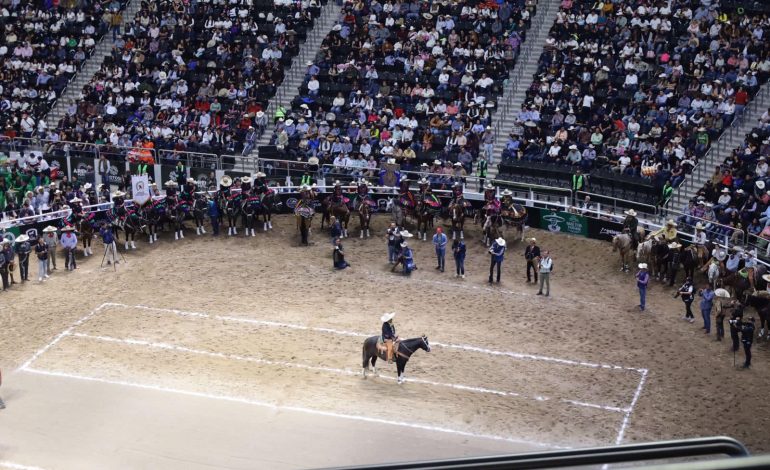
(564, 222)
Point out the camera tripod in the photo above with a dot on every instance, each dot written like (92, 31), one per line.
(114, 253)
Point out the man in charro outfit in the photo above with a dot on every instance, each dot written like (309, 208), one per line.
(362, 194)
(405, 196)
(389, 336)
(260, 185)
(631, 224)
(338, 195)
(427, 196)
(491, 203)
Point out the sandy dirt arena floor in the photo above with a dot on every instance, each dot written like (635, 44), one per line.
(246, 353)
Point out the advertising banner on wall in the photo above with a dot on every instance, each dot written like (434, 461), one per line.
(563, 222)
(603, 229)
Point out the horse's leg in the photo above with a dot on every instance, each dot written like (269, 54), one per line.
(400, 369)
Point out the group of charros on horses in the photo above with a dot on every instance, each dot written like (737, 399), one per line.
(663, 253)
(423, 207)
(237, 199)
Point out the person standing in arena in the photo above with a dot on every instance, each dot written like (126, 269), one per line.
(686, 293)
(706, 303)
(69, 241)
(545, 268)
(532, 255)
(642, 279)
(440, 241)
(747, 338)
(458, 249)
(497, 254)
(392, 242)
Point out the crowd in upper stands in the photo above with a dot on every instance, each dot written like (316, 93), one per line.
(735, 201)
(190, 76)
(42, 46)
(411, 81)
(640, 88)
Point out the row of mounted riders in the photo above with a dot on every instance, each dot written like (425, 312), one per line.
(738, 271)
(243, 202)
(423, 207)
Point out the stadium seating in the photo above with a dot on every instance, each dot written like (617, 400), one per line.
(190, 77)
(413, 81)
(43, 46)
(635, 93)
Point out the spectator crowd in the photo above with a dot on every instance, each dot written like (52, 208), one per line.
(43, 45)
(412, 81)
(190, 76)
(639, 88)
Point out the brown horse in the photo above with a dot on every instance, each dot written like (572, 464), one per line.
(364, 218)
(515, 215)
(338, 210)
(457, 214)
(86, 231)
(622, 244)
(492, 229)
(424, 215)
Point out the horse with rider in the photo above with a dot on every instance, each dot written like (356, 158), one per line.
(388, 346)
(428, 207)
(304, 212)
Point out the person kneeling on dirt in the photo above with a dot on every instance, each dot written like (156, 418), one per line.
(338, 256)
(407, 259)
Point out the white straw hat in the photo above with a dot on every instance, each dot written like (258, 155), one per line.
(387, 316)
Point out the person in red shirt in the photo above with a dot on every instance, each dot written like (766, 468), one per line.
(741, 99)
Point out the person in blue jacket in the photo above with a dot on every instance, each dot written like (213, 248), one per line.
(213, 209)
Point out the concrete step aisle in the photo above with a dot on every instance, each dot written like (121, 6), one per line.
(515, 92)
(296, 74)
(89, 68)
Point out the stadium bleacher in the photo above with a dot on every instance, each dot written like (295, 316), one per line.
(635, 93)
(416, 82)
(190, 77)
(43, 46)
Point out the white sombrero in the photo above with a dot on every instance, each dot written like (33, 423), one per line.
(766, 277)
(406, 234)
(760, 184)
(630, 212)
(49, 229)
(489, 186)
(76, 199)
(675, 245)
(719, 254)
(387, 317)
(191, 180)
(500, 241)
(506, 192)
(226, 181)
(722, 293)
(68, 228)
(304, 187)
(87, 186)
(670, 222)
(171, 183)
(404, 244)
(699, 226)
(260, 174)
(246, 179)
(22, 238)
(642, 265)
(533, 239)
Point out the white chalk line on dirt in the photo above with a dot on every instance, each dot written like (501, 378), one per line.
(298, 409)
(626, 418)
(346, 372)
(17, 466)
(294, 326)
(61, 335)
(465, 285)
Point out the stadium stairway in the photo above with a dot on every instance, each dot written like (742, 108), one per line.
(721, 149)
(515, 92)
(295, 75)
(89, 68)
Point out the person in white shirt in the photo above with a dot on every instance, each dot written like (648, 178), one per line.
(545, 267)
